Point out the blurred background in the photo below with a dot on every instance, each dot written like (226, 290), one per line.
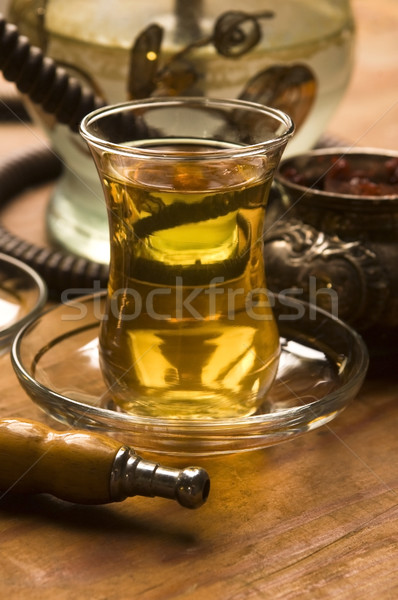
(375, 75)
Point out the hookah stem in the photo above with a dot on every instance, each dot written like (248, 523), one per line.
(88, 468)
(188, 19)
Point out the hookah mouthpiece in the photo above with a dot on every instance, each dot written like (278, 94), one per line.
(88, 468)
(131, 476)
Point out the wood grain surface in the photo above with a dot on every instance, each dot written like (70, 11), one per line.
(316, 517)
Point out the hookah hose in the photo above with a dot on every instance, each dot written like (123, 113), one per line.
(59, 269)
(42, 80)
(58, 93)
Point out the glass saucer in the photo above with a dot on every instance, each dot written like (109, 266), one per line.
(23, 294)
(323, 364)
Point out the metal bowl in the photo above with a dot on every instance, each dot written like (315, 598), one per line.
(332, 240)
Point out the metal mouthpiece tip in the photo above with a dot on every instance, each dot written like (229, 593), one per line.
(193, 487)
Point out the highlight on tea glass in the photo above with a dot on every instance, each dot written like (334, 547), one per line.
(188, 329)
(23, 294)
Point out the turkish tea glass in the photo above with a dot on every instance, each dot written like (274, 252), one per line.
(188, 330)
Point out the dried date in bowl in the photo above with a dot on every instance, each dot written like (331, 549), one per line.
(365, 173)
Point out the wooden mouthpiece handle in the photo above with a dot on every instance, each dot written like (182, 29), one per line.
(88, 468)
(74, 466)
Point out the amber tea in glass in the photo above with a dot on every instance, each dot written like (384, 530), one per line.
(188, 330)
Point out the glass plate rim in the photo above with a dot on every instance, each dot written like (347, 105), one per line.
(24, 269)
(121, 421)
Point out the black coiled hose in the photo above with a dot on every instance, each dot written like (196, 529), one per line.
(42, 80)
(59, 269)
(58, 93)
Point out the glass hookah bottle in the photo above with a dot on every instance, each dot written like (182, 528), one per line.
(295, 55)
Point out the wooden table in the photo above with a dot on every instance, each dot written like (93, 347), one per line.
(313, 518)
